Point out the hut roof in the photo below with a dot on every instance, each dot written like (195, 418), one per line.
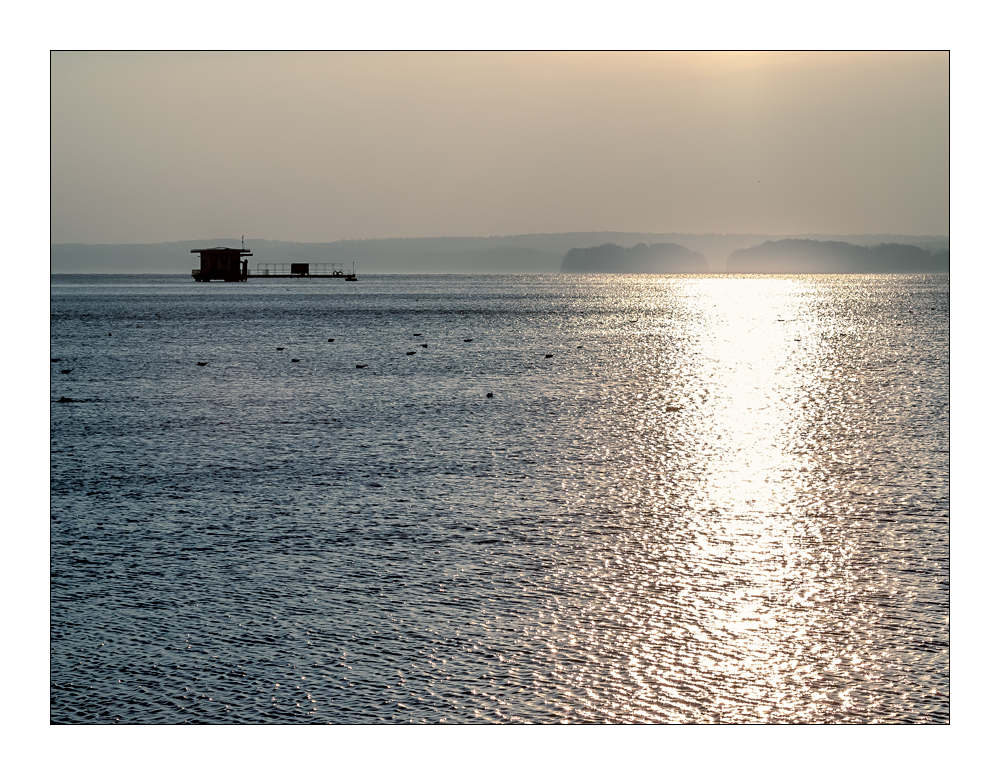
(241, 251)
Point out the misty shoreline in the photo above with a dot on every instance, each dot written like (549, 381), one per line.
(518, 254)
(836, 257)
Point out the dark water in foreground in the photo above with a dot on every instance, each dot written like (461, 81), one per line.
(721, 499)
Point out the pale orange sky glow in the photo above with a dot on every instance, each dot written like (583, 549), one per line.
(150, 147)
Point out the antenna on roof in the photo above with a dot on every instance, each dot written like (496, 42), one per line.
(242, 246)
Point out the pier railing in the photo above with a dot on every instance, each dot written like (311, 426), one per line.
(299, 270)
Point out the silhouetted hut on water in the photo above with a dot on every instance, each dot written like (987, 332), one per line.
(228, 264)
(222, 264)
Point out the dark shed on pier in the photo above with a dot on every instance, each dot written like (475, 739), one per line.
(221, 264)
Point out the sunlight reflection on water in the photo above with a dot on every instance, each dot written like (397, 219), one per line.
(745, 591)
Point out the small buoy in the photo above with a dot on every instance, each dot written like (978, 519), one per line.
(412, 352)
(202, 363)
(489, 395)
(549, 355)
(423, 345)
(66, 371)
(296, 360)
(361, 366)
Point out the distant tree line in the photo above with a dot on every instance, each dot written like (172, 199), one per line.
(817, 257)
(661, 258)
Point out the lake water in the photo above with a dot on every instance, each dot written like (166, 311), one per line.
(721, 499)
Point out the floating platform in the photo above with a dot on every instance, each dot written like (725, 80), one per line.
(305, 271)
(229, 265)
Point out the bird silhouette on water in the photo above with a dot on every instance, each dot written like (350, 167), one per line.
(280, 349)
(65, 371)
(423, 345)
(296, 360)
(202, 363)
(361, 366)
(412, 352)
(549, 355)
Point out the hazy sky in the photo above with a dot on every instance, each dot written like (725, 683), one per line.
(151, 147)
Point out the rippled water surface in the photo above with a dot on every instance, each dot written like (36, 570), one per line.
(722, 498)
